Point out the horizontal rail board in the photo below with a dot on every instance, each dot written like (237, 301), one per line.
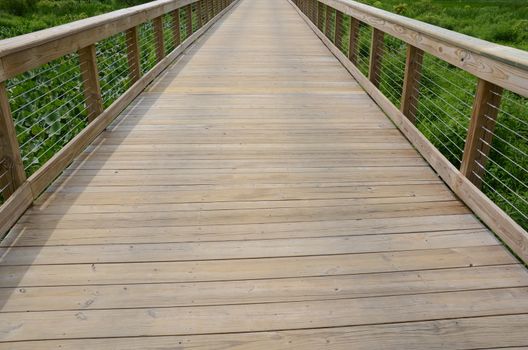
(25, 52)
(504, 66)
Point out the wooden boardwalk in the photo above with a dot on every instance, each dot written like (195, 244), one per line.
(254, 197)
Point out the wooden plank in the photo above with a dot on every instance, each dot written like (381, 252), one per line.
(134, 62)
(480, 131)
(188, 20)
(9, 148)
(15, 206)
(251, 269)
(90, 80)
(176, 32)
(376, 56)
(262, 317)
(199, 14)
(320, 14)
(241, 216)
(328, 21)
(159, 38)
(141, 234)
(260, 291)
(453, 334)
(353, 43)
(411, 83)
(338, 37)
(243, 249)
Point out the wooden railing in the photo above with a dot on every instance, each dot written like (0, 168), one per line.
(461, 101)
(61, 87)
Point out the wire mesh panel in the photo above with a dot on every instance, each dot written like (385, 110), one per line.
(330, 16)
(168, 33)
(363, 52)
(112, 63)
(184, 23)
(147, 46)
(502, 162)
(342, 32)
(392, 69)
(195, 16)
(49, 109)
(443, 106)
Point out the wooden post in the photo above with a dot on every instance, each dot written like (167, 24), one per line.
(320, 18)
(9, 148)
(338, 29)
(478, 140)
(158, 37)
(413, 73)
(209, 10)
(175, 15)
(376, 55)
(134, 63)
(188, 17)
(353, 43)
(90, 77)
(328, 21)
(199, 13)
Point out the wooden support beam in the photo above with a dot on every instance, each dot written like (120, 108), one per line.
(328, 22)
(14, 175)
(90, 78)
(480, 131)
(320, 14)
(175, 15)
(209, 9)
(353, 43)
(199, 13)
(158, 38)
(413, 74)
(376, 55)
(134, 62)
(338, 35)
(188, 20)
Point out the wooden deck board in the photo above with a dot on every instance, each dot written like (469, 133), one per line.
(255, 197)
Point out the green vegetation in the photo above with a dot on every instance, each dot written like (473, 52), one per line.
(501, 21)
(24, 16)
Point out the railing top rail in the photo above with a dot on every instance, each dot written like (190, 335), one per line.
(48, 44)
(502, 65)
(505, 54)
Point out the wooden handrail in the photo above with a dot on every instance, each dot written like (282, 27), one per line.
(497, 68)
(24, 53)
(503, 66)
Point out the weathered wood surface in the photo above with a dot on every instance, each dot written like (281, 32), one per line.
(254, 196)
